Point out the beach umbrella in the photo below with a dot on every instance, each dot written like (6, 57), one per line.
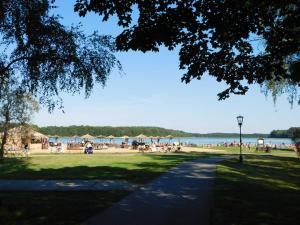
(100, 136)
(141, 137)
(87, 136)
(125, 137)
(110, 137)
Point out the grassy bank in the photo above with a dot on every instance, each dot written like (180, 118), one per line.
(262, 190)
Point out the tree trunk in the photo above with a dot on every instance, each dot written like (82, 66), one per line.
(4, 139)
(5, 133)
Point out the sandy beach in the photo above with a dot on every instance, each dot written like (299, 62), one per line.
(36, 149)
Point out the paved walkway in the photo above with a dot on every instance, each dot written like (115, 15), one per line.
(65, 185)
(181, 196)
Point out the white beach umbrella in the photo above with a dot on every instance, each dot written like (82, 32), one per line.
(87, 136)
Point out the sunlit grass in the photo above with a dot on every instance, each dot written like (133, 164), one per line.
(252, 150)
(139, 168)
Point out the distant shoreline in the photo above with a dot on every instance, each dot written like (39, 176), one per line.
(244, 136)
(132, 131)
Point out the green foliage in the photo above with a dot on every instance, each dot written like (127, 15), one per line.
(278, 88)
(47, 57)
(238, 42)
(295, 135)
(108, 130)
(285, 133)
(130, 131)
(16, 107)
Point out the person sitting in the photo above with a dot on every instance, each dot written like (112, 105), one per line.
(134, 144)
(88, 148)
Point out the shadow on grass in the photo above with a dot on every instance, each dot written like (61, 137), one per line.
(262, 190)
(136, 172)
(48, 208)
(74, 207)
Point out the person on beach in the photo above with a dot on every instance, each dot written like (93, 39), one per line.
(26, 150)
(88, 148)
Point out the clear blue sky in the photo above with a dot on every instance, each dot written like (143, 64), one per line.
(151, 94)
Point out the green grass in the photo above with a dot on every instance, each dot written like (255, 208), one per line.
(138, 168)
(59, 208)
(265, 189)
(75, 207)
(262, 190)
(278, 152)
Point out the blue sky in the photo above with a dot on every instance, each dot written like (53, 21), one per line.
(150, 93)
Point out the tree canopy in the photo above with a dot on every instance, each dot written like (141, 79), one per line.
(285, 133)
(221, 38)
(295, 136)
(16, 107)
(47, 57)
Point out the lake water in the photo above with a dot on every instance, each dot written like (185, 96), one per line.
(192, 140)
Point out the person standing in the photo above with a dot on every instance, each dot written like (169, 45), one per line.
(26, 150)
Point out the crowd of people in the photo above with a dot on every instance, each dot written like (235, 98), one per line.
(89, 146)
(251, 145)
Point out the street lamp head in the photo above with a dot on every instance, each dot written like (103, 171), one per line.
(240, 120)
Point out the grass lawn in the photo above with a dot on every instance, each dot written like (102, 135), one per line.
(75, 207)
(278, 152)
(59, 208)
(262, 190)
(138, 168)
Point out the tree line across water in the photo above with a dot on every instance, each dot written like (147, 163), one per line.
(289, 133)
(68, 131)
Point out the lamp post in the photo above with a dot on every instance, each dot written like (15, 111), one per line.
(240, 122)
